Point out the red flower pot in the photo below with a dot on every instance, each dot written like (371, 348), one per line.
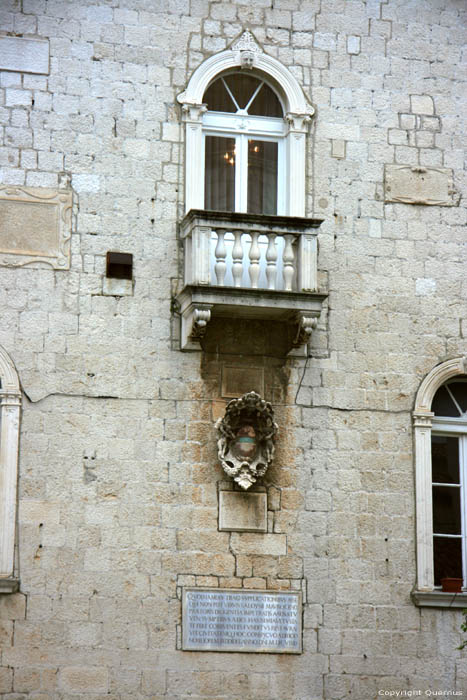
(452, 585)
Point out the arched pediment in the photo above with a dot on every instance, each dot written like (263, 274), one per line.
(8, 374)
(246, 54)
(438, 375)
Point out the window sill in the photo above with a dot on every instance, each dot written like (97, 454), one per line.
(9, 585)
(438, 599)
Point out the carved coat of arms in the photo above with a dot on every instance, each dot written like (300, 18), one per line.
(246, 438)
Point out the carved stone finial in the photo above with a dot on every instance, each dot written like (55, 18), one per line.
(248, 48)
(246, 438)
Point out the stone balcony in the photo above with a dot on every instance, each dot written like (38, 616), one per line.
(249, 266)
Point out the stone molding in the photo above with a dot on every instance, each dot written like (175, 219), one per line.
(422, 423)
(10, 409)
(246, 53)
(35, 226)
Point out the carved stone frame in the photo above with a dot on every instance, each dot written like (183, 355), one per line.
(10, 408)
(56, 249)
(245, 53)
(422, 425)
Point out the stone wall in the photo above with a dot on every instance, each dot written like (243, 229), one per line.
(118, 470)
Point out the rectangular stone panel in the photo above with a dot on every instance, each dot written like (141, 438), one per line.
(419, 185)
(237, 381)
(242, 512)
(24, 55)
(35, 226)
(215, 619)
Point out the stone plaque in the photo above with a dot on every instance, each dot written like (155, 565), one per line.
(217, 619)
(239, 380)
(35, 226)
(242, 512)
(419, 185)
(24, 55)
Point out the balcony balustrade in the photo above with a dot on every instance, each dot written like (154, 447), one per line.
(248, 266)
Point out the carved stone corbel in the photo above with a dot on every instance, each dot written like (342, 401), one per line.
(194, 325)
(305, 326)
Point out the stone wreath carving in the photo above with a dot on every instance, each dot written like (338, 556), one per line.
(246, 438)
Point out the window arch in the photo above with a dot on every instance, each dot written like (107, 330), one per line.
(440, 434)
(244, 111)
(10, 407)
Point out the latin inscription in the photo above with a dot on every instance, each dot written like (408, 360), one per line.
(231, 620)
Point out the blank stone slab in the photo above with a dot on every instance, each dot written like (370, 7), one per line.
(216, 619)
(24, 55)
(35, 226)
(237, 381)
(419, 185)
(242, 512)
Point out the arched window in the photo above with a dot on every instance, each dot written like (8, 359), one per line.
(440, 428)
(10, 406)
(246, 121)
(244, 154)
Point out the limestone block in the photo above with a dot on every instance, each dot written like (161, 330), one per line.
(84, 679)
(242, 511)
(255, 543)
(24, 55)
(419, 185)
(35, 226)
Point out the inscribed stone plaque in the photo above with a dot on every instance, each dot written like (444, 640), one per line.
(24, 55)
(242, 512)
(217, 619)
(237, 381)
(35, 226)
(419, 185)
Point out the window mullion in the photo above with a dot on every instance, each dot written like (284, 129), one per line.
(241, 173)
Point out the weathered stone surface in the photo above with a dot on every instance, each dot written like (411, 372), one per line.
(118, 474)
(419, 185)
(24, 55)
(242, 511)
(35, 226)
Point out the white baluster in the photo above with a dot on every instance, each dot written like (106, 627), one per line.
(237, 258)
(254, 256)
(221, 253)
(271, 257)
(288, 259)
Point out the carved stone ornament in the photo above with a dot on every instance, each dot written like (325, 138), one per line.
(248, 48)
(246, 438)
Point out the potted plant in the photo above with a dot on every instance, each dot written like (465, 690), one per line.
(451, 584)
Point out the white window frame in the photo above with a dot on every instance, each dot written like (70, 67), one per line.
(247, 55)
(424, 423)
(10, 412)
(242, 130)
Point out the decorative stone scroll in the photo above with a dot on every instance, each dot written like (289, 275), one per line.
(216, 619)
(420, 185)
(246, 438)
(35, 226)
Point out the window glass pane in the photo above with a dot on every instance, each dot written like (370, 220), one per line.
(443, 405)
(262, 177)
(446, 510)
(242, 87)
(459, 391)
(218, 99)
(219, 176)
(266, 104)
(445, 459)
(447, 553)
